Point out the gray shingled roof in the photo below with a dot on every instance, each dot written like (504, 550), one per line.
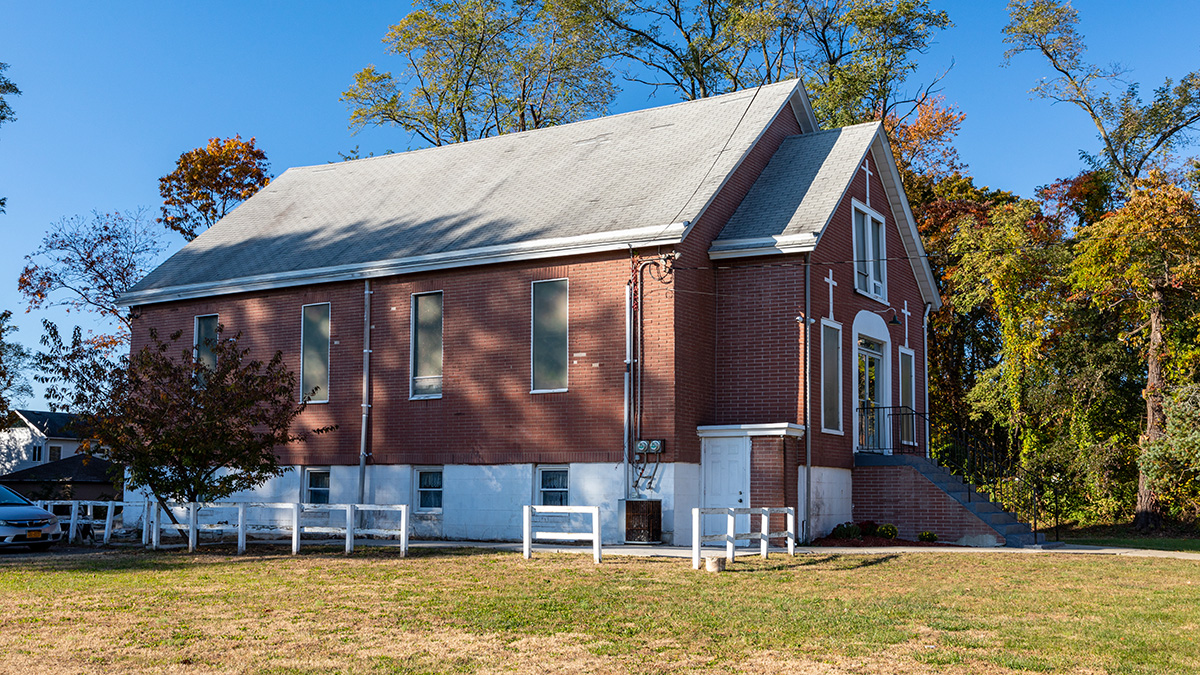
(623, 178)
(51, 424)
(78, 468)
(800, 188)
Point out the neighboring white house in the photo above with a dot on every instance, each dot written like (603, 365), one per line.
(37, 437)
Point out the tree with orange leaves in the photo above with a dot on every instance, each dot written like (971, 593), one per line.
(209, 182)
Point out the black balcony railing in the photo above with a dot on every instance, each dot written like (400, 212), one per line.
(989, 472)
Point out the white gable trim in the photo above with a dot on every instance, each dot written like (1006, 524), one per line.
(547, 248)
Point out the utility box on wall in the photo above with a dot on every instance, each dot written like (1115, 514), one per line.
(643, 521)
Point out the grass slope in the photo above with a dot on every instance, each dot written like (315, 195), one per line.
(466, 611)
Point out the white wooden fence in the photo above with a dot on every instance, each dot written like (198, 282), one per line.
(593, 536)
(731, 534)
(83, 512)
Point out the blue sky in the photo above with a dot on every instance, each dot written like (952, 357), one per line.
(114, 92)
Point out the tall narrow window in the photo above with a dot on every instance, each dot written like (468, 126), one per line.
(831, 377)
(870, 252)
(426, 346)
(37, 453)
(908, 396)
(549, 347)
(314, 341)
(204, 338)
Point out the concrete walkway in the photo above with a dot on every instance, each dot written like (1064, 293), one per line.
(686, 551)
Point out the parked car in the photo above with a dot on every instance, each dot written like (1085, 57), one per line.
(23, 524)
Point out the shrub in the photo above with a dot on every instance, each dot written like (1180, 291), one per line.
(887, 531)
(927, 536)
(868, 528)
(846, 531)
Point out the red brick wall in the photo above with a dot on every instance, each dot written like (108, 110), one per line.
(900, 495)
(694, 333)
(486, 413)
(774, 462)
(835, 252)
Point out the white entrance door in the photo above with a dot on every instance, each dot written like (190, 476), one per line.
(726, 465)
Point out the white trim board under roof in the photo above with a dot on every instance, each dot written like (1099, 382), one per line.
(635, 179)
(794, 200)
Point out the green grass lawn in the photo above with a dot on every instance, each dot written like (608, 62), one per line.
(467, 611)
(1124, 536)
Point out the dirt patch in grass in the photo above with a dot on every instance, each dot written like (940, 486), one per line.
(470, 611)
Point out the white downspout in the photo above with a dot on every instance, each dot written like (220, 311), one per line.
(925, 349)
(807, 401)
(628, 372)
(366, 392)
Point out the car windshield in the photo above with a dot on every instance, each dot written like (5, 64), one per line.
(10, 498)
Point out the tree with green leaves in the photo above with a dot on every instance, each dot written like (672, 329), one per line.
(1137, 139)
(1135, 135)
(209, 182)
(478, 68)
(14, 360)
(854, 55)
(1142, 262)
(185, 428)
(7, 88)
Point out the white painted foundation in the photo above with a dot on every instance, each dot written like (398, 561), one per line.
(832, 502)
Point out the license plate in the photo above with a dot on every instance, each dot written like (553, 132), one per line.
(33, 534)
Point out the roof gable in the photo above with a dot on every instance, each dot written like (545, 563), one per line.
(636, 178)
(794, 200)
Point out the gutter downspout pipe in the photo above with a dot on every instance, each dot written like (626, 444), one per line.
(366, 392)
(925, 349)
(628, 388)
(807, 400)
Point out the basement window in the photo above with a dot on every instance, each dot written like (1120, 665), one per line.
(429, 489)
(553, 485)
(316, 486)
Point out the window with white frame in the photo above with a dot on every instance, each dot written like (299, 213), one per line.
(204, 338)
(314, 350)
(908, 396)
(37, 453)
(831, 376)
(553, 485)
(316, 486)
(870, 252)
(56, 451)
(429, 489)
(549, 335)
(426, 346)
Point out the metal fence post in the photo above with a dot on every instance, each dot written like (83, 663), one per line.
(695, 539)
(527, 528)
(731, 527)
(349, 529)
(192, 534)
(295, 528)
(241, 532)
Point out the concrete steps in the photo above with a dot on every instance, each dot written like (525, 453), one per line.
(1016, 533)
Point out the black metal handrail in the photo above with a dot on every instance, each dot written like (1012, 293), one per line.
(987, 470)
